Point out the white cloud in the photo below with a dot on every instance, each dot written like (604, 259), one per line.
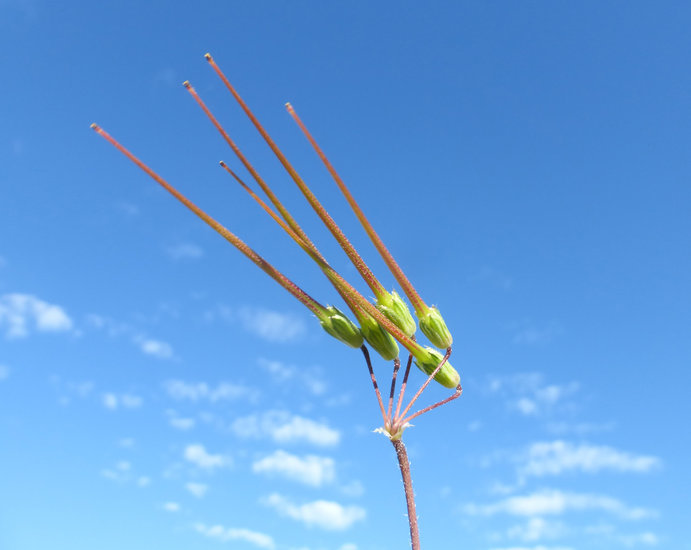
(185, 251)
(278, 370)
(4, 372)
(225, 534)
(182, 423)
(528, 393)
(156, 348)
(324, 514)
(348, 546)
(197, 489)
(131, 401)
(555, 502)
(113, 401)
(310, 470)
(128, 208)
(171, 507)
(143, 481)
(536, 529)
(526, 406)
(647, 538)
(474, 426)
(19, 313)
(272, 325)
(120, 473)
(309, 377)
(529, 334)
(283, 427)
(353, 489)
(197, 391)
(581, 428)
(197, 454)
(556, 457)
(110, 401)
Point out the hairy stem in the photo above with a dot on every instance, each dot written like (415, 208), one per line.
(403, 463)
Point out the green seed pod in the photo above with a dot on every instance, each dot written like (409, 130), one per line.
(396, 310)
(340, 327)
(427, 359)
(433, 326)
(377, 337)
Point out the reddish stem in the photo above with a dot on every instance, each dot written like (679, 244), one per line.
(404, 464)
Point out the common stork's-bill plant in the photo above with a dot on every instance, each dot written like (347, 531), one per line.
(383, 325)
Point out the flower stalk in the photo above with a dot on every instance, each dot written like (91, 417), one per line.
(382, 324)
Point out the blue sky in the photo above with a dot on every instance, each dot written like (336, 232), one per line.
(526, 163)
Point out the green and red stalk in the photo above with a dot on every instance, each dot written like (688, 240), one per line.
(355, 258)
(350, 294)
(412, 294)
(353, 298)
(344, 288)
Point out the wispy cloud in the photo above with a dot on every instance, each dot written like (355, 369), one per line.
(4, 372)
(21, 313)
(113, 401)
(127, 208)
(226, 534)
(556, 502)
(281, 372)
(272, 326)
(156, 348)
(528, 393)
(556, 457)
(536, 529)
(283, 427)
(198, 455)
(198, 391)
(171, 506)
(579, 428)
(527, 333)
(310, 469)
(185, 251)
(121, 472)
(647, 538)
(492, 276)
(114, 329)
(197, 489)
(324, 514)
(180, 423)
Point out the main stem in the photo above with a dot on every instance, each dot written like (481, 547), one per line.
(409, 495)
